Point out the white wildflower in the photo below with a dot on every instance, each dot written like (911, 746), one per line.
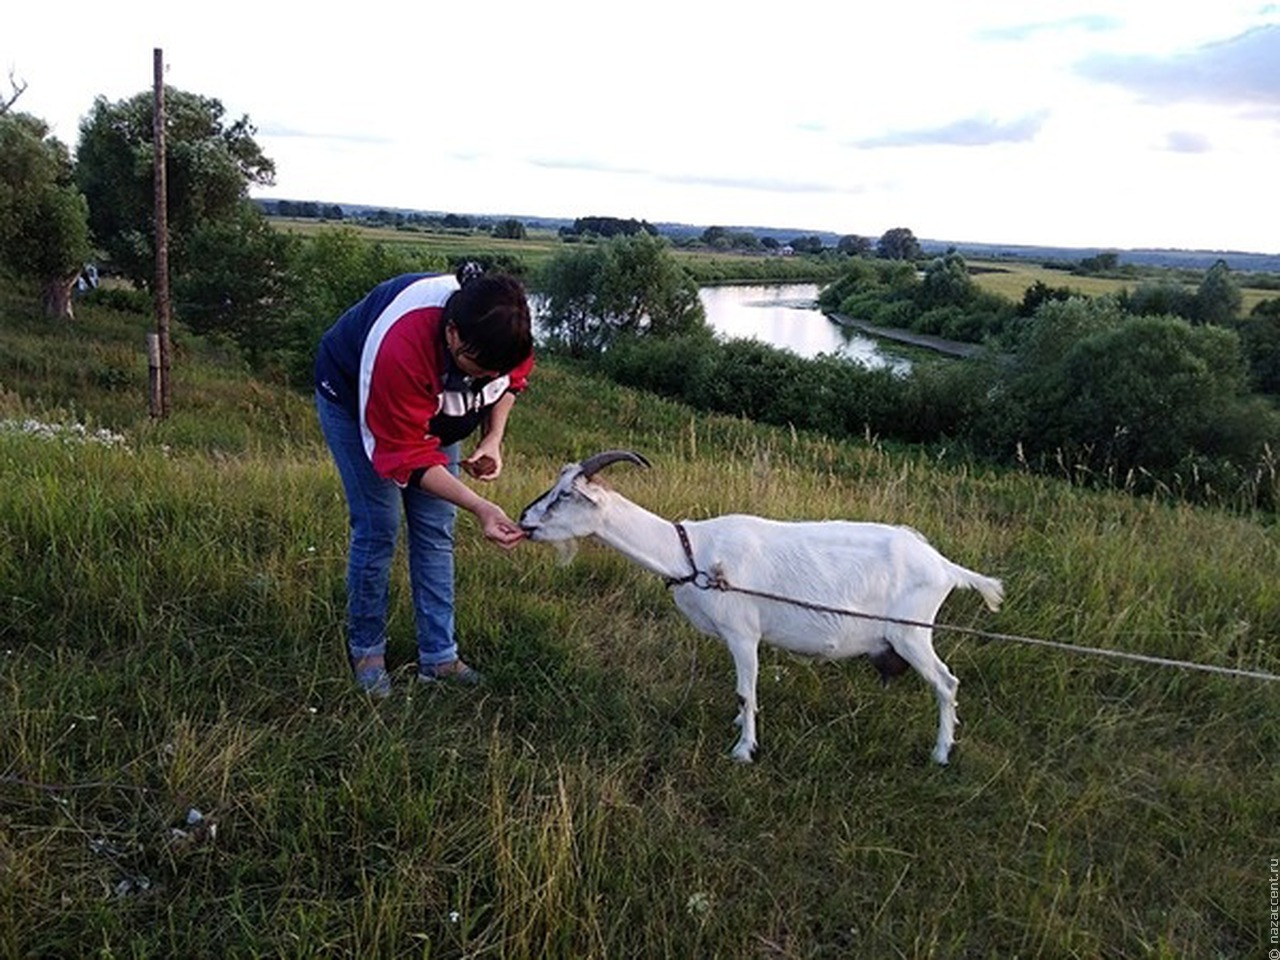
(699, 904)
(74, 433)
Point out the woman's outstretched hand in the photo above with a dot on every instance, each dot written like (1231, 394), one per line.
(498, 527)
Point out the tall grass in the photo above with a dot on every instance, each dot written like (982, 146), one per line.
(187, 770)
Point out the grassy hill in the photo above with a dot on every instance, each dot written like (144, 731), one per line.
(185, 769)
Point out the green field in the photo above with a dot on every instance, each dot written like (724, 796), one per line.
(533, 251)
(1011, 280)
(170, 642)
(706, 266)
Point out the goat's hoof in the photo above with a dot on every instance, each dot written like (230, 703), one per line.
(744, 753)
(941, 757)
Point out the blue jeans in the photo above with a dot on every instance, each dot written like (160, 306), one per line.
(374, 507)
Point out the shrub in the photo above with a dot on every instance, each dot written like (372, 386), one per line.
(124, 299)
(1260, 340)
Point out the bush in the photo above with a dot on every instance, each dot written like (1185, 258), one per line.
(1260, 340)
(939, 321)
(124, 299)
(1146, 401)
(668, 367)
(896, 313)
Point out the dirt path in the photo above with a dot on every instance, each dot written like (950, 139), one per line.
(953, 348)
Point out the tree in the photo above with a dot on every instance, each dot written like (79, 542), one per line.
(44, 231)
(240, 287)
(1040, 293)
(643, 289)
(16, 89)
(510, 229)
(1260, 340)
(852, 245)
(209, 168)
(810, 243)
(1156, 298)
(569, 283)
(630, 285)
(716, 238)
(946, 283)
(1056, 327)
(898, 244)
(612, 226)
(1217, 299)
(1132, 399)
(1102, 263)
(1148, 393)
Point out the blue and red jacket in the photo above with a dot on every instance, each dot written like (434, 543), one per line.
(386, 363)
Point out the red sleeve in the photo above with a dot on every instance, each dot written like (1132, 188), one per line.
(520, 375)
(401, 399)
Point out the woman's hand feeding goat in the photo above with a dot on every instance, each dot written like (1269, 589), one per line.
(718, 569)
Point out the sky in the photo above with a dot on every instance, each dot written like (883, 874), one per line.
(1078, 123)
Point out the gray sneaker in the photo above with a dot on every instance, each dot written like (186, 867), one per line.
(456, 672)
(372, 677)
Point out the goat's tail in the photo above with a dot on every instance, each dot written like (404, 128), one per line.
(992, 590)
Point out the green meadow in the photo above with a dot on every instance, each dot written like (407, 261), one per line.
(186, 769)
(530, 254)
(1011, 278)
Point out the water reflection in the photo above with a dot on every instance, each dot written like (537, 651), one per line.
(786, 316)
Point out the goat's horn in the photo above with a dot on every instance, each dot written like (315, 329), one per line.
(593, 465)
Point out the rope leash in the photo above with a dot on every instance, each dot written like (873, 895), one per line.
(717, 581)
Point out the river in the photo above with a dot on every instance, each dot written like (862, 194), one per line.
(786, 315)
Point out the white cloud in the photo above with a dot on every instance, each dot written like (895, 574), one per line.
(1184, 141)
(969, 132)
(1243, 69)
(1066, 122)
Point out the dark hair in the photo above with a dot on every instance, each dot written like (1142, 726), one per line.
(491, 314)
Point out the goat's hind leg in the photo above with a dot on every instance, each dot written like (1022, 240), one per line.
(916, 648)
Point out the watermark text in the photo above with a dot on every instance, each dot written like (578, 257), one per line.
(1273, 909)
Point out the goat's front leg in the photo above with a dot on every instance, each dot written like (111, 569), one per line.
(746, 663)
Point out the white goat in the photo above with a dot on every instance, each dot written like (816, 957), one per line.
(871, 568)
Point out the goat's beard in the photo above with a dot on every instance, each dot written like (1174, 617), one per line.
(566, 550)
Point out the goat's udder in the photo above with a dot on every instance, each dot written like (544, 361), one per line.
(888, 664)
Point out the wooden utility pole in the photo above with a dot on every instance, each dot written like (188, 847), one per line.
(159, 348)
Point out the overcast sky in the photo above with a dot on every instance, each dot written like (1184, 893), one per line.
(1100, 123)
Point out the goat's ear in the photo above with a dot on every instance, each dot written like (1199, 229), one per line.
(588, 488)
(566, 550)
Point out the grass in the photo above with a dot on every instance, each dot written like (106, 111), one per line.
(1011, 279)
(537, 248)
(170, 642)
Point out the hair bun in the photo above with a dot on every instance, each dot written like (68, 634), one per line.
(468, 271)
